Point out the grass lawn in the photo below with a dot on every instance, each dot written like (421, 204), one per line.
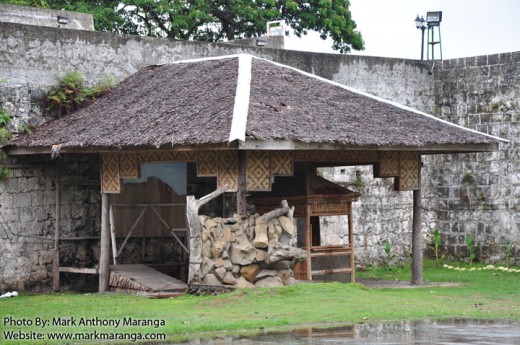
(483, 294)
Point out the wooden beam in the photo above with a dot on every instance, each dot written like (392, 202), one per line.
(79, 270)
(428, 149)
(104, 257)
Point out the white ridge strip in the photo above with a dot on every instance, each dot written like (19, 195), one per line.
(241, 107)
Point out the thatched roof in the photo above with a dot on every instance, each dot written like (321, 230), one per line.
(198, 103)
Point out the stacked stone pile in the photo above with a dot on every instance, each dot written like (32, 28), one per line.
(249, 251)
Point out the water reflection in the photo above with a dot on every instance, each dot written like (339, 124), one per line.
(443, 332)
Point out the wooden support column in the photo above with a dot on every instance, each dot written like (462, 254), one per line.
(113, 236)
(104, 256)
(351, 243)
(417, 246)
(242, 189)
(56, 255)
(308, 240)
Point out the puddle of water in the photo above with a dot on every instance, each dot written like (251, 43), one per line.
(428, 332)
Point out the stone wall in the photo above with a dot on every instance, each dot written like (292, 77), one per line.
(477, 194)
(28, 217)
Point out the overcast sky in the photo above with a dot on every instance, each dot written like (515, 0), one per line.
(468, 28)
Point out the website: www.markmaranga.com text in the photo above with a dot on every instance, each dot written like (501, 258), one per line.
(76, 336)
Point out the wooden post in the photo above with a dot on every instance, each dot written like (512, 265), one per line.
(308, 240)
(56, 255)
(104, 256)
(242, 188)
(417, 247)
(56, 270)
(113, 236)
(192, 217)
(351, 243)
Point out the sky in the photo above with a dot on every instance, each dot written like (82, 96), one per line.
(468, 28)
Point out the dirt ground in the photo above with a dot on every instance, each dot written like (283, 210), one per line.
(402, 284)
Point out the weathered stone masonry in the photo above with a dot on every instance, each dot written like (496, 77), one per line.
(478, 194)
(28, 218)
(463, 194)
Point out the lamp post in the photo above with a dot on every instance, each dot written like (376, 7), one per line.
(420, 23)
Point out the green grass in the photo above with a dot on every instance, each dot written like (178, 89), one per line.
(483, 294)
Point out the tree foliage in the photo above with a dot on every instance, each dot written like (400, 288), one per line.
(217, 20)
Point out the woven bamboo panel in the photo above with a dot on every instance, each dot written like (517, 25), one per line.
(258, 172)
(128, 165)
(167, 156)
(207, 163)
(388, 164)
(281, 163)
(333, 156)
(110, 180)
(228, 170)
(409, 171)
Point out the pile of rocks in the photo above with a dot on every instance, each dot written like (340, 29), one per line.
(249, 251)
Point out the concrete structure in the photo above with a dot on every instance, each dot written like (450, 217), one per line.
(45, 17)
(473, 194)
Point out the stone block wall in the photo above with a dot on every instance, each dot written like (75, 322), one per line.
(28, 218)
(478, 194)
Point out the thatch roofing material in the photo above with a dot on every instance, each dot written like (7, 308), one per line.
(196, 102)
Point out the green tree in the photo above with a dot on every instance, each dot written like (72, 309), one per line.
(217, 20)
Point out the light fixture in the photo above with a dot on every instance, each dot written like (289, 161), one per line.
(261, 42)
(420, 24)
(434, 18)
(63, 20)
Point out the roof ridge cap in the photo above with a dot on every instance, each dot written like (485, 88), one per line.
(242, 93)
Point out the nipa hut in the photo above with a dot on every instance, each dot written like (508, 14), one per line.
(239, 124)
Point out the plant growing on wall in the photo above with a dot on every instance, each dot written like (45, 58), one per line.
(5, 134)
(358, 183)
(389, 255)
(436, 242)
(71, 94)
(470, 243)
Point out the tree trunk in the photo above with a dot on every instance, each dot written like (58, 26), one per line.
(192, 214)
